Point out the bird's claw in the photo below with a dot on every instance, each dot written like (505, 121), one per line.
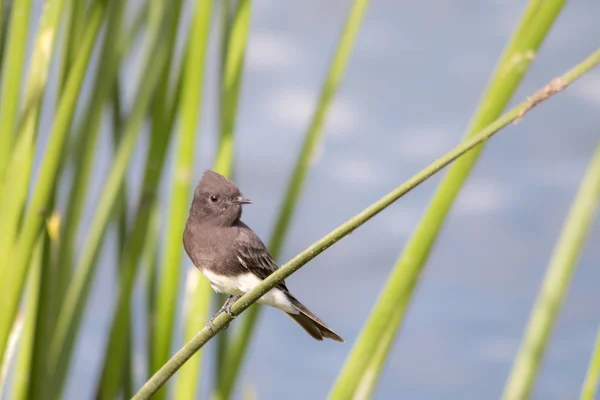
(229, 312)
(228, 304)
(211, 325)
(226, 309)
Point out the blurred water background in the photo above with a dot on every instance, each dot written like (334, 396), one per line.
(413, 81)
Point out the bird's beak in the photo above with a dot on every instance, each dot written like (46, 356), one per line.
(241, 200)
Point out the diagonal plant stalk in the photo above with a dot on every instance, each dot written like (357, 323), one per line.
(2, 28)
(25, 383)
(12, 71)
(16, 179)
(363, 366)
(187, 351)
(87, 138)
(78, 291)
(46, 312)
(165, 109)
(199, 300)
(191, 100)
(20, 255)
(150, 258)
(22, 382)
(121, 218)
(590, 384)
(556, 284)
(74, 17)
(239, 345)
(11, 349)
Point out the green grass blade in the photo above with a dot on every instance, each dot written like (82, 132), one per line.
(121, 218)
(163, 121)
(150, 259)
(191, 97)
(11, 349)
(21, 254)
(78, 291)
(225, 19)
(85, 151)
(46, 313)
(133, 249)
(555, 285)
(199, 299)
(187, 351)
(14, 183)
(74, 18)
(239, 345)
(12, 71)
(24, 378)
(592, 377)
(2, 28)
(88, 130)
(367, 358)
(198, 294)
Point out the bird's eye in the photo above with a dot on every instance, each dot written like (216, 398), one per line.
(214, 198)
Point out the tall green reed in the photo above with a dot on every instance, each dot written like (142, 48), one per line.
(592, 377)
(198, 299)
(164, 107)
(367, 358)
(556, 284)
(20, 254)
(191, 97)
(12, 72)
(239, 344)
(79, 288)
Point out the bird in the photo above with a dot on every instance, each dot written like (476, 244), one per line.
(232, 256)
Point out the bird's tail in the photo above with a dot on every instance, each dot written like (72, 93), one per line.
(311, 323)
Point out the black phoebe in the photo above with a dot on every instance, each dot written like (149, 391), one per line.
(231, 255)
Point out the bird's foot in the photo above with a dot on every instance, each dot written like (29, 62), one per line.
(229, 303)
(211, 323)
(225, 309)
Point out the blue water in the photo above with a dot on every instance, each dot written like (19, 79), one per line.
(412, 84)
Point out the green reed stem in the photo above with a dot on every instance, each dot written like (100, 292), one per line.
(555, 285)
(199, 302)
(78, 291)
(12, 287)
(12, 72)
(191, 100)
(363, 366)
(592, 377)
(240, 343)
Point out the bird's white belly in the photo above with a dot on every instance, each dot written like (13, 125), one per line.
(241, 284)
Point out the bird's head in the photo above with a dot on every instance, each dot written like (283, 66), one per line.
(217, 200)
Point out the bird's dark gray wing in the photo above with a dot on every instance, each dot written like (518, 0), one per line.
(253, 254)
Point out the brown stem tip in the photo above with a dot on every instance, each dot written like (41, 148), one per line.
(555, 86)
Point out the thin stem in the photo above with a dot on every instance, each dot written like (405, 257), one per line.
(12, 71)
(199, 298)
(167, 370)
(240, 343)
(555, 285)
(363, 366)
(590, 384)
(190, 106)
